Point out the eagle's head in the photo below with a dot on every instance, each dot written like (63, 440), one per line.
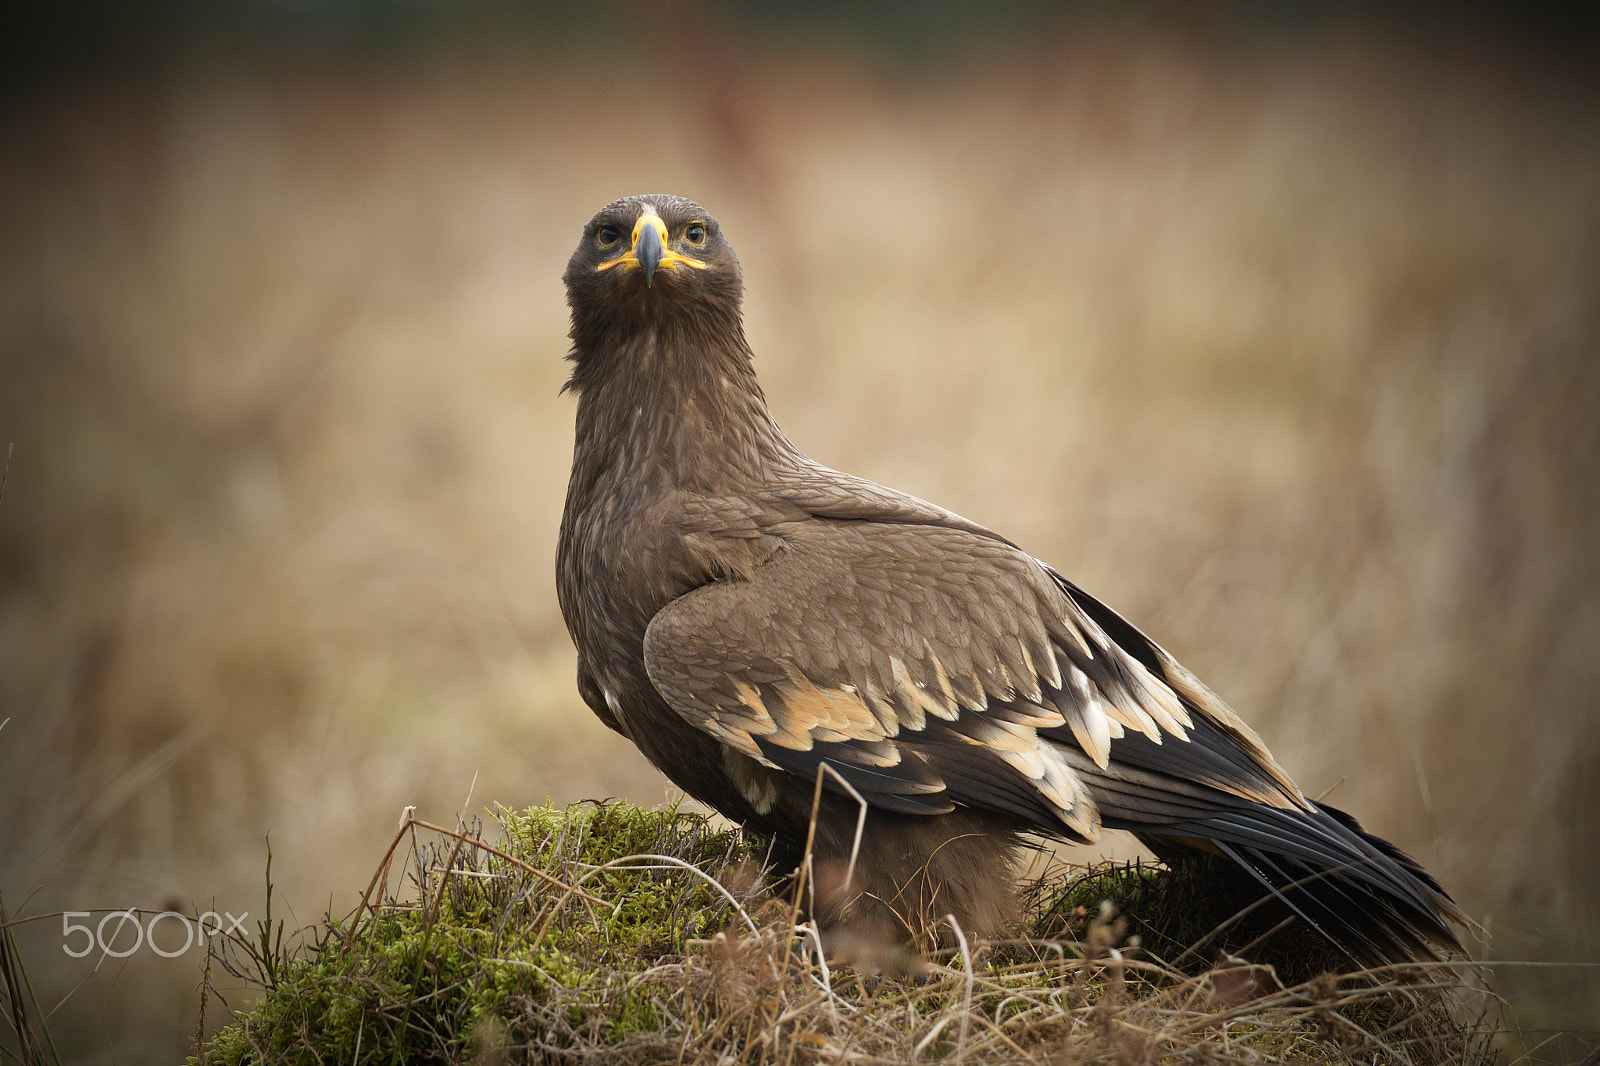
(645, 264)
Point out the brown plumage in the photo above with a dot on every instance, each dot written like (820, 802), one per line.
(745, 615)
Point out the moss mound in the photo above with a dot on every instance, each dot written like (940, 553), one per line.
(607, 933)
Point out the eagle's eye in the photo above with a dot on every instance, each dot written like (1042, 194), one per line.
(695, 233)
(608, 236)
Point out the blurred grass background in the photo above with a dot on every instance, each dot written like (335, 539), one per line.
(1279, 333)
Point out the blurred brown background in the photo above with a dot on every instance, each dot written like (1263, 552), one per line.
(1283, 337)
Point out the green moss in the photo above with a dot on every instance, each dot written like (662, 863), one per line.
(495, 944)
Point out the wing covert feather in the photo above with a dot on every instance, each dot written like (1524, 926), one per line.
(931, 666)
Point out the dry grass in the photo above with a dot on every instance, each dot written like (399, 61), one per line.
(1286, 349)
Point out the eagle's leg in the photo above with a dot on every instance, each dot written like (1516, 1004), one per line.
(912, 875)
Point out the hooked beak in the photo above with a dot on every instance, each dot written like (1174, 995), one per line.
(649, 251)
(647, 247)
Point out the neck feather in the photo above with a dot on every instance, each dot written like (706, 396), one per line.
(678, 408)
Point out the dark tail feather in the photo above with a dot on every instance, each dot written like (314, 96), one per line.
(1359, 891)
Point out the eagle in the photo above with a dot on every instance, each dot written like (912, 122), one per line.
(756, 622)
